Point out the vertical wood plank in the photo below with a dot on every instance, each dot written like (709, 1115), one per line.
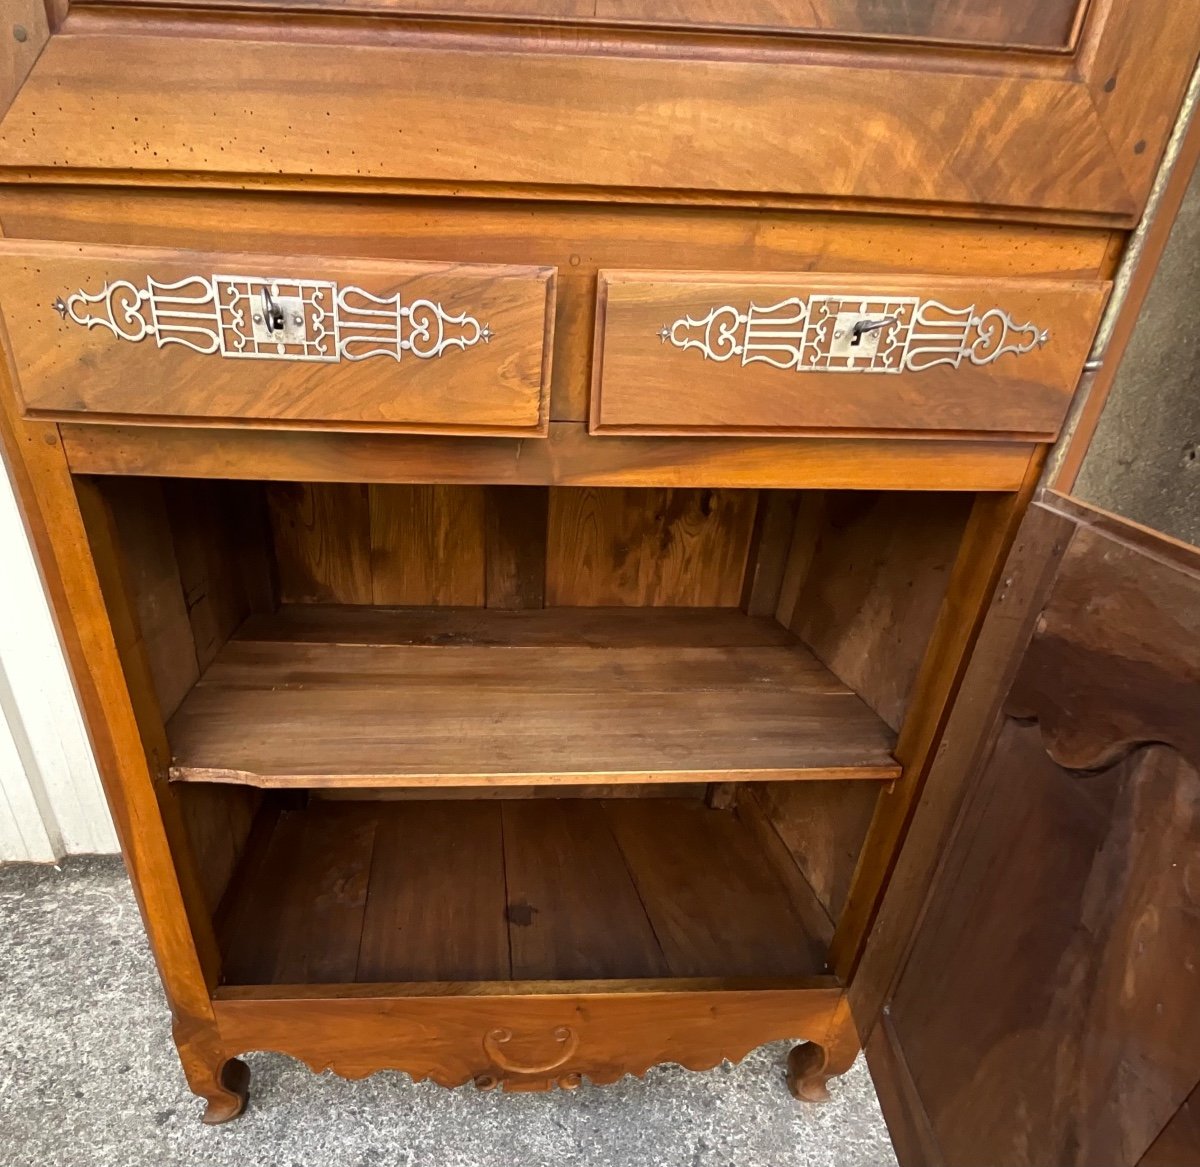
(769, 551)
(880, 567)
(150, 573)
(573, 911)
(648, 547)
(436, 906)
(209, 569)
(427, 545)
(516, 520)
(714, 902)
(810, 513)
(823, 826)
(218, 820)
(322, 542)
(298, 914)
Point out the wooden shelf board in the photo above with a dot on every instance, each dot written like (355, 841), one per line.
(633, 892)
(377, 697)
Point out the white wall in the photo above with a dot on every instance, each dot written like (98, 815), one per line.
(51, 803)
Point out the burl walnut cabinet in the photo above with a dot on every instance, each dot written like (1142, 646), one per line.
(521, 486)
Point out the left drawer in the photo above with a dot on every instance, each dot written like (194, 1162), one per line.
(136, 334)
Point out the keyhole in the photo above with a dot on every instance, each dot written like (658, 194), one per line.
(272, 312)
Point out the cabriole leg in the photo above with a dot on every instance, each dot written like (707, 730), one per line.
(223, 1082)
(811, 1064)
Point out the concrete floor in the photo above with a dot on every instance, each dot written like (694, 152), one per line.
(88, 1075)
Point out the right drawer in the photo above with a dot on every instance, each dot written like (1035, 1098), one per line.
(681, 353)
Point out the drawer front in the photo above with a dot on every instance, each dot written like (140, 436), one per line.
(134, 334)
(714, 353)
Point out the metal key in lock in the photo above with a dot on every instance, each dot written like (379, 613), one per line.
(278, 319)
(272, 312)
(856, 335)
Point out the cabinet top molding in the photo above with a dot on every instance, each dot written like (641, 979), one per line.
(1074, 135)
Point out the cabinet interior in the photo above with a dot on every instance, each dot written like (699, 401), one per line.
(430, 733)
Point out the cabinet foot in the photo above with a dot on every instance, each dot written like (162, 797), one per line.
(226, 1096)
(811, 1065)
(223, 1082)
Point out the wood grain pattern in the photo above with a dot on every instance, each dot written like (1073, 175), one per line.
(150, 575)
(427, 545)
(432, 878)
(313, 932)
(770, 551)
(989, 535)
(1039, 542)
(29, 30)
(610, 128)
(218, 821)
(1026, 22)
(1021, 23)
(637, 372)
(711, 896)
(620, 1030)
(498, 386)
(528, 628)
(1178, 1144)
(222, 557)
(876, 575)
(272, 712)
(1099, 989)
(578, 239)
(573, 909)
(749, 810)
(517, 518)
(823, 827)
(666, 548)
(569, 457)
(322, 538)
(435, 908)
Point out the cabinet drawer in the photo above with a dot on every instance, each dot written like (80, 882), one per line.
(721, 353)
(135, 334)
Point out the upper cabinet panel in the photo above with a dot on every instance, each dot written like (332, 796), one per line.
(1014, 110)
(1036, 24)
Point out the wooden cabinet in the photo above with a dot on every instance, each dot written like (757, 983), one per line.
(520, 490)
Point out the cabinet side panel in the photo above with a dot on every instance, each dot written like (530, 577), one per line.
(878, 572)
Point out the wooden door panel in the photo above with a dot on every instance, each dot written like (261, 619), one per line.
(1040, 24)
(1046, 1013)
(372, 99)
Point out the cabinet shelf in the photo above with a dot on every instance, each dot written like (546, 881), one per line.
(526, 890)
(363, 697)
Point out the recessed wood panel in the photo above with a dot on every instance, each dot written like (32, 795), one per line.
(427, 544)
(659, 548)
(1045, 24)
(555, 111)
(707, 353)
(169, 336)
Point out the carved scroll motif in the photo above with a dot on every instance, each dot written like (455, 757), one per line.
(803, 333)
(325, 322)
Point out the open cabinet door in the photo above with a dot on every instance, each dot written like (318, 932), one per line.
(1047, 1012)
(1039, 1005)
